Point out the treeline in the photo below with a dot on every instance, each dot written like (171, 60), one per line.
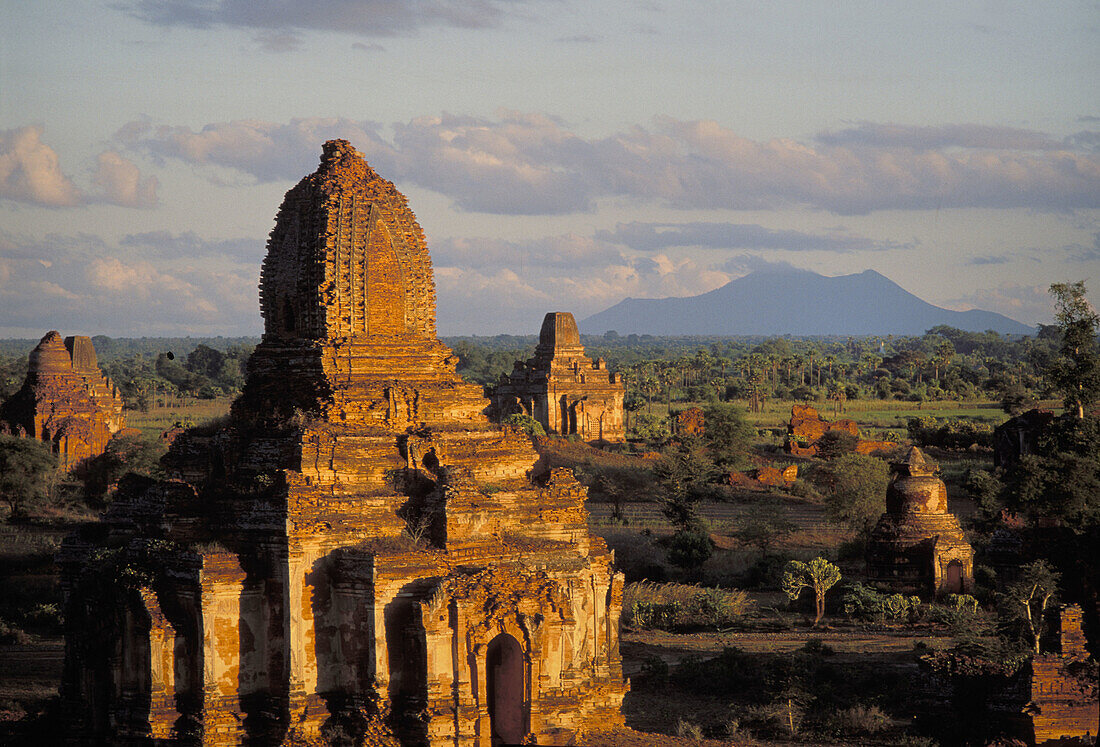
(944, 363)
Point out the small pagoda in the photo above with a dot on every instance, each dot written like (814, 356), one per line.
(562, 388)
(918, 546)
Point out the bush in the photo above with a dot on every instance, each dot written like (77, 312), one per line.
(833, 444)
(949, 433)
(864, 603)
(861, 720)
(525, 423)
(682, 606)
(689, 548)
(856, 489)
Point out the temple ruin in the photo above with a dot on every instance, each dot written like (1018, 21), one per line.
(357, 555)
(65, 401)
(806, 428)
(563, 388)
(918, 547)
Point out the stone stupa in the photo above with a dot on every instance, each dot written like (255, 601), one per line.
(918, 546)
(564, 389)
(65, 400)
(356, 553)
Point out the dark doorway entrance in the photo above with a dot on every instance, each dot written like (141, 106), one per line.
(504, 675)
(953, 582)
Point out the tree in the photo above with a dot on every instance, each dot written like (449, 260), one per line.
(855, 486)
(1030, 595)
(682, 473)
(819, 574)
(727, 435)
(26, 466)
(1077, 372)
(764, 526)
(205, 361)
(124, 454)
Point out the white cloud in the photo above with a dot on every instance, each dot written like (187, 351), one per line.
(83, 284)
(528, 164)
(30, 170)
(120, 182)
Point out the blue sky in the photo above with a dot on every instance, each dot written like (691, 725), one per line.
(561, 155)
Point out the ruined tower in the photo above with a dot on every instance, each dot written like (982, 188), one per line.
(563, 388)
(357, 553)
(918, 546)
(65, 400)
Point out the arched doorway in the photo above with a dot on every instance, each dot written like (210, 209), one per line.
(505, 681)
(952, 581)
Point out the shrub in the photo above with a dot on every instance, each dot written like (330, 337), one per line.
(525, 423)
(950, 433)
(861, 720)
(856, 486)
(864, 603)
(44, 616)
(689, 548)
(682, 606)
(833, 444)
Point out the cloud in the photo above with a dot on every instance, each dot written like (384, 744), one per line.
(490, 287)
(120, 182)
(277, 42)
(579, 39)
(653, 236)
(30, 172)
(264, 150)
(1031, 303)
(567, 252)
(370, 47)
(989, 260)
(533, 164)
(939, 137)
(361, 17)
(83, 284)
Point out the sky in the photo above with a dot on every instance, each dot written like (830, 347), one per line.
(561, 155)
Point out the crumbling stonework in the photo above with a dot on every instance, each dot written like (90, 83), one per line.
(1063, 687)
(918, 547)
(562, 388)
(65, 400)
(765, 477)
(689, 422)
(806, 427)
(357, 555)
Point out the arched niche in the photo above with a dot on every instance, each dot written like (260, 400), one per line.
(506, 690)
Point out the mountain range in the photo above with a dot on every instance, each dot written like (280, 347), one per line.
(789, 301)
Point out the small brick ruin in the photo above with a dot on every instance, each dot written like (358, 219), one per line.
(563, 388)
(65, 401)
(806, 427)
(357, 556)
(690, 422)
(1063, 686)
(760, 478)
(918, 547)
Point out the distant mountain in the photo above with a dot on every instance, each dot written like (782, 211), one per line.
(783, 301)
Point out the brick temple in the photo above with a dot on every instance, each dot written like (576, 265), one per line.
(65, 401)
(357, 555)
(918, 546)
(563, 388)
